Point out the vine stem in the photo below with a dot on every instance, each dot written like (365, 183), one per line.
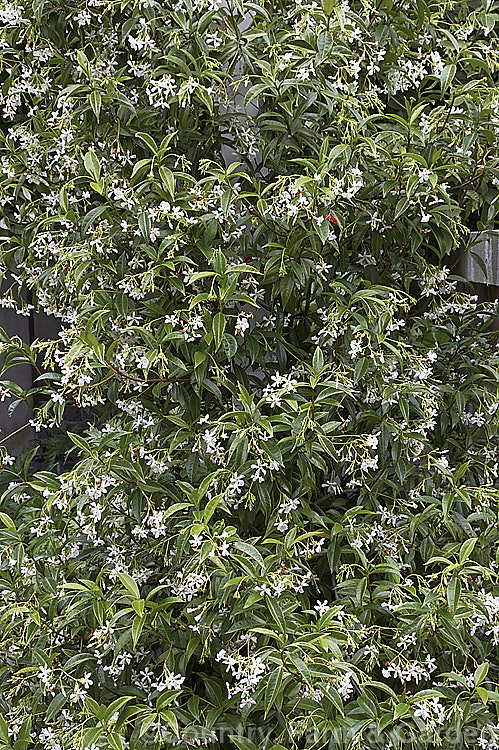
(15, 432)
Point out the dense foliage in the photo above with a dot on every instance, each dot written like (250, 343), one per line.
(279, 526)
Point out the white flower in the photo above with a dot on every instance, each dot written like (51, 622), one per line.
(355, 348)
(187, 587)
(322, 607)
(247, 672)
(196, 541)
(44, 674)
(224, 549)
(79, 693)
(173, 681)
(369, 463)
(263, 589)
(83, 18)
(281, 525)
(87, 680)
(259, 471)
(242, 325)
(345, 686)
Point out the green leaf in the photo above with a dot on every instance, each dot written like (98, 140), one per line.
(90, 217)
(318, 360)
(254, 91)
(300, 666)
(401, 709)
(381, 686)
(447, 76)
(91, 736)
(210, 508)
(242, 743)
(83, 62)
(145, 225)
(218, 327)
(229, 345)
(481, 673)
(4, 731)
(483, 695)
(55, 705)
(79, 441)
(81, 658)
(332, 695)
(361, 367)
(96, 708)
(95, 103)
(115, 740)
(148, 140)
(167, 697)
(171, 720)
(206, 98)
(23, 737)
(146, 723)
(138, 606)
(63, 200)
(138, 623)
(199, 358)
(130, 584)
(401, 207)
(454, 592)
(276, 612)
(116, 706)
(249, 550)
(324, 45)
(467, 548)
(168, 179)
(226, 200)
(92, 166)
(7, 521)
(273, 688)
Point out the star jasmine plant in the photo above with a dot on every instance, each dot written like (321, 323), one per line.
(274, 526)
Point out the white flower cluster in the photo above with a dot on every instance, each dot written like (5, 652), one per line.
(161, 91)
(247, 672)
(488, 742)
(234, 490)
(345, 686)
(436, 281)
(411, 671)
(187, 586)
(280, 386)
(285, 508)
(11, 14)
(261, 467)
(170, 681)
(486, 620)
(431, 711)
(290, 579)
